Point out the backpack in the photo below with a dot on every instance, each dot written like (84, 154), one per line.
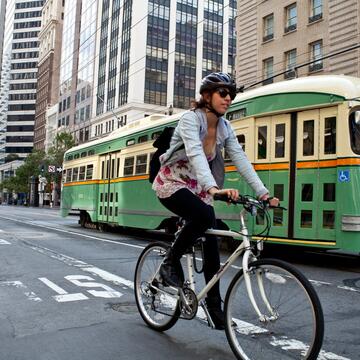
(162, 143)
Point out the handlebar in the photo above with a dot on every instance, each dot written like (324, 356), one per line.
(246, 201)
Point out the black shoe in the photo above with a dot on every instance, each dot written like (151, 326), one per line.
(217, 315)
(171, 271)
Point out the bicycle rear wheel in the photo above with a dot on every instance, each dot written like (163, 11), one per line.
(158, 309)
(294, 328)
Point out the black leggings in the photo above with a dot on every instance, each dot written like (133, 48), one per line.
(199, 217)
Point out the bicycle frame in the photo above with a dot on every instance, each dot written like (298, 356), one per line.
(243, 248)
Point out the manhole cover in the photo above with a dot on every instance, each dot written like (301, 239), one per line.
(125, 307)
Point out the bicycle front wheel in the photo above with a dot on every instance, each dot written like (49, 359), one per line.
(293, 325)
(158, 308)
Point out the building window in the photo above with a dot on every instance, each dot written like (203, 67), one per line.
(316, 10)
(290, 59)
(316, 50)
(268, 27)
(291, 18)
(268, 70)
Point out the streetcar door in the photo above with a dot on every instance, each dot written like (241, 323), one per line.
(315, 179)
(113, 195)
(104, 187)
(109, 164)
(272, 156)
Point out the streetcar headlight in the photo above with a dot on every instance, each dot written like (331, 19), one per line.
(350, 223)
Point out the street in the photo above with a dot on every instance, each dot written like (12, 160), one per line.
(67, 293)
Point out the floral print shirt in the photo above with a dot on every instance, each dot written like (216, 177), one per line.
(180, 175)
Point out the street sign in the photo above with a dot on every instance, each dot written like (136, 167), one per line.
(51, 168)
(59, 169)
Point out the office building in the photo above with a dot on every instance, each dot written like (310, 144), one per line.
(296, 38)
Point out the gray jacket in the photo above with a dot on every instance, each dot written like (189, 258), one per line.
(190, 132)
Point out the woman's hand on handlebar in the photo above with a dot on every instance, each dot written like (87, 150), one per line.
(273, 201)
(232, 194)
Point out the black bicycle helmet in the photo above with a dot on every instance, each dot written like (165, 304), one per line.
(216, 80)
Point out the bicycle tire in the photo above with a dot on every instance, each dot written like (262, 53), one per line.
(298, 328)
(159, 310)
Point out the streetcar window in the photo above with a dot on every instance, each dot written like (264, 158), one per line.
(89, 172)
(354, 127)
(237, 114)
(129, 166)
(69, 157)
(76, 156)
(112, 168)
(306, 218)
(307, 192)
(279, 191)
(117, 167)
(329, 192)
(107, 169)
(110, 208)
(308, 138)
(100, 210)
(278, 216)
(143, 138)
(141, 162)
(102, 169)
(68, 175)
(116, 211)
(280, 140)
(330, 135)
(260, 218)
(117, 197)
(111, 197)
(130, 142)
(262, 139)
(83, 154)
(91, 152)
(82, 173)
(75, 174)
(106, 197)
(241, 140)
(63, 177)
(328, 219)
(227, 158)
(155, 135)
(101, 197)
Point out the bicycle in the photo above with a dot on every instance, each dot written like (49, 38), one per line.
(271, 309)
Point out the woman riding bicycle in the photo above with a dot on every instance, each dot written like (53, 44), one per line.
(192, 172)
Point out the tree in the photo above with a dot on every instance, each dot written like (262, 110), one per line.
(62, 142)
(32, 166)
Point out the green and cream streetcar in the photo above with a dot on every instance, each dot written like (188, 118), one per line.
(302, 136)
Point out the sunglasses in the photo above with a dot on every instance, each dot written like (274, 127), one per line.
(223, 92)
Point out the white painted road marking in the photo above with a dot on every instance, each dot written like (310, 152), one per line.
(63, 296)
(117, 280)
(4, 242)
(314, 282)
(18, 284)
(108, 292)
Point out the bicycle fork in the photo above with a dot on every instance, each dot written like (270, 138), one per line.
(248, 257)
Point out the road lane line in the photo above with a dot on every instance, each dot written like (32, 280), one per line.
(284, 342)
(4, 242)
(314, 282)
